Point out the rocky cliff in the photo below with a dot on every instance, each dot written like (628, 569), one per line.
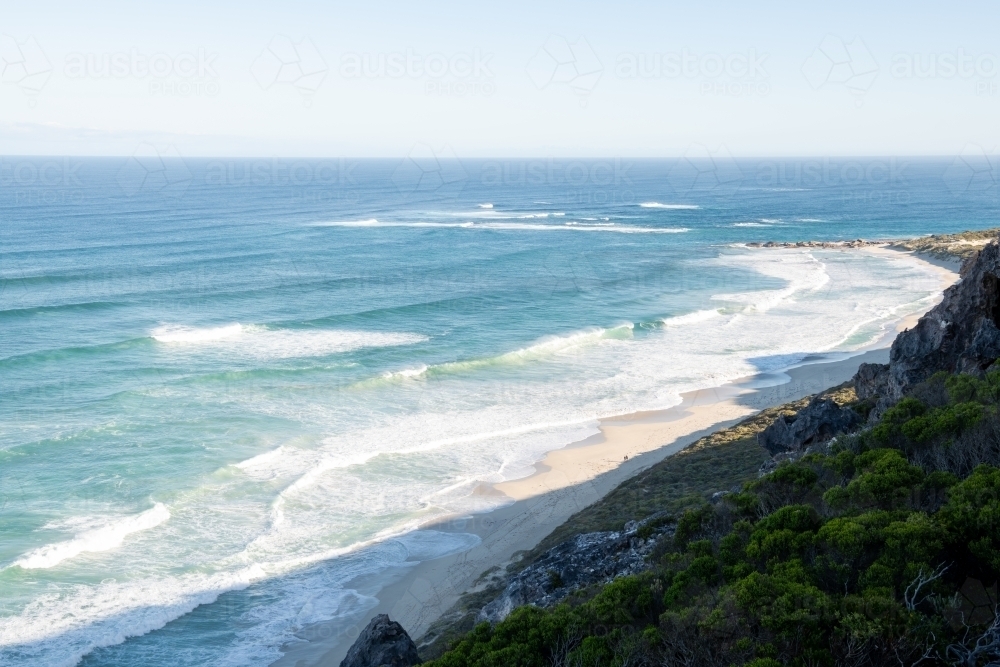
(959, 335)
(591, 558)
(815, 424)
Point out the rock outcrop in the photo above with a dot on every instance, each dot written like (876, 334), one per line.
(382, 642)
(819, 421)
(587, 559)
(856, 243)
(959, 335)
(960, 247)
(871, 381)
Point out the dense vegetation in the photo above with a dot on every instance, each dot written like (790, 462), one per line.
(884, 549)
(724, 459)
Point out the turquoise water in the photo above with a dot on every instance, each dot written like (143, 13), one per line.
(230, 387)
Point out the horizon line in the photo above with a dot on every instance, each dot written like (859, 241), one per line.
(915, 156)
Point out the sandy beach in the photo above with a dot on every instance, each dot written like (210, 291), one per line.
(569, 479)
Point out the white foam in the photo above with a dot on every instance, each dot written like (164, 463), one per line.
(470, 425)
(555, 344)
(803, 272)
(520, 226)
(261, 342)
(94, 616)
(105, 538)
(407, 372)
(676, 207)
(810, 220)
(370, 222)
(618, 229)
(751, 224)
(691, 318)
(384, 457)
(181, 334)
(260, 459)
(485, 205)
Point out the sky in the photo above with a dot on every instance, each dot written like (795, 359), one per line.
(511, 79)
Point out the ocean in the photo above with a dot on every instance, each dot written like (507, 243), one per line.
(230, 387)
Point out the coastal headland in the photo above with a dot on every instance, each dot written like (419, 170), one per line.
(715, 429)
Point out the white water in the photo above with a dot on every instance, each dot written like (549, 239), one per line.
(382, 468)
(266, 343)
(104, 538)
(676, 207)
(572, 226)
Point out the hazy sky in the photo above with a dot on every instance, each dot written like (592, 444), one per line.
(500, 79)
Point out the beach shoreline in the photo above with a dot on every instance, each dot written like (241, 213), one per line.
(570, 478)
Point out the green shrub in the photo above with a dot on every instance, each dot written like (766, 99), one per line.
(814, 563)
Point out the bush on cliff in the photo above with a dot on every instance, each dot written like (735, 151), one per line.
(884, 550)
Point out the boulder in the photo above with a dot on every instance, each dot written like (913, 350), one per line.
(591, 558)
(383, 642)
(819, 421)
(871, 381)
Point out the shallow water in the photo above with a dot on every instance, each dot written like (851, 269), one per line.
(220, 383)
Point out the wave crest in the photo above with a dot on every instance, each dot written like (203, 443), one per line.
(261, 342)
(690, 318)
(518, 226)
(672, 207)
(104, 538)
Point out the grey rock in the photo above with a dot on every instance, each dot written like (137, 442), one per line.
(718, 496)
(587, 559)
(959, 335)
(816, 423)
(871, 381)
(382, 642)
